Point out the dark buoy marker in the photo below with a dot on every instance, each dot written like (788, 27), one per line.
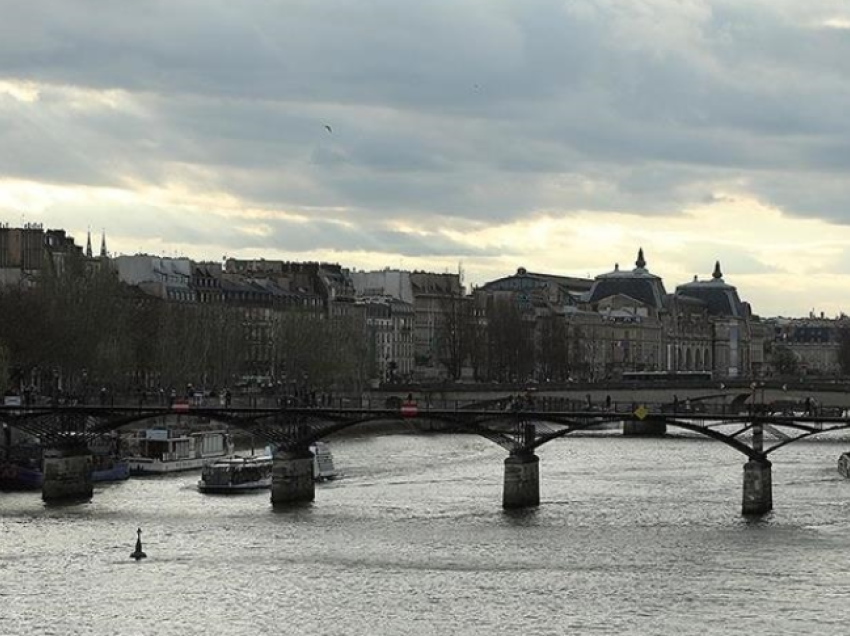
(138, 553)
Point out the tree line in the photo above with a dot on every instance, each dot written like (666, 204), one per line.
(500, 342)
(77, 331)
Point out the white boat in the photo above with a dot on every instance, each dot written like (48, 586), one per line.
(165, 450)
(323, 462)
(236, 474)
(844, 465)
(240, 474)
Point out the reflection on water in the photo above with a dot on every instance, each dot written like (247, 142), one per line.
(634, 536)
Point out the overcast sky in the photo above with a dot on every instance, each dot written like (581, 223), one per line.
(555, 135)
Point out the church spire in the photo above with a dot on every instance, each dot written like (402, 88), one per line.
(88, 245)
(717, 275)
(640, 263)
(103, 245)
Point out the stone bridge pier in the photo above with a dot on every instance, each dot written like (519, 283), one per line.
(522, 473)
(758, 487)
(67, 474)
(522, 481)
(758, 477)
(292, 477)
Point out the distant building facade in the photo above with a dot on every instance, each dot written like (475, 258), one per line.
(416, 322)
(29, 251)
(814, 342)
(159, 276)
(626, 321)
(327, 281)
(433, 297)
(726, 339)
(390, 324)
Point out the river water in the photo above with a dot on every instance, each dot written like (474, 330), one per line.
(633, 536)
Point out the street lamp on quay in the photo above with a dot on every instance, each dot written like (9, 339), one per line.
(755, 387)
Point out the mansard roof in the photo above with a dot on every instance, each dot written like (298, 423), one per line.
(423, 283)
(638, 284)
(524, 280)
(721, 298)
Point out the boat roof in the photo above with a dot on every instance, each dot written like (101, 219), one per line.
(243, 460)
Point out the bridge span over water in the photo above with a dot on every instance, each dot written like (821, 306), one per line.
(520, 428)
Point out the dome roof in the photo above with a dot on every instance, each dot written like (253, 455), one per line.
(721, 298)
(638, 284)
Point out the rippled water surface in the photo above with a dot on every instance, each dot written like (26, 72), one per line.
(634, 536)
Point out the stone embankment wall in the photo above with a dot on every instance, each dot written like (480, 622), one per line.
(832, 395)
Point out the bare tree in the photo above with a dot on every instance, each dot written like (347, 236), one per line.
(455, 333)
(321, 352)
(553, 348)
(844, 349)
(510, 342)
(785, 361)
(4, 368)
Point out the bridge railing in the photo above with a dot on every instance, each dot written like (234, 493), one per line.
(431, 403)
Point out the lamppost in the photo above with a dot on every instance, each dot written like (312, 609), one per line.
(755, 387)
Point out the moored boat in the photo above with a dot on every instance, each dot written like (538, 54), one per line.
(107, 465)
(165, 450)
(23, 470)
(18, 476)
(106, 468)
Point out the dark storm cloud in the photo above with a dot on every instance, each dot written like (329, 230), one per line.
(479, 109)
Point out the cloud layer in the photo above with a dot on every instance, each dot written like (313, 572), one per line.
(542, 133)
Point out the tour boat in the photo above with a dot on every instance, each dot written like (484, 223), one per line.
(236, 474)
(165, 450)
(844, 465)
(323, 462)
(241, 474)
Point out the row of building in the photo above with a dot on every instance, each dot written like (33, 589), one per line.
(617, 324)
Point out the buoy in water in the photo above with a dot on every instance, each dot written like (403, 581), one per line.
(138, 553)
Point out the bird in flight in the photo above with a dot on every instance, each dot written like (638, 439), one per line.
(329, 129)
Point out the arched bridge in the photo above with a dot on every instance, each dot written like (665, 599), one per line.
(518, 427)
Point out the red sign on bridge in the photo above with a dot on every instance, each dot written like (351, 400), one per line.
(409, 409)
